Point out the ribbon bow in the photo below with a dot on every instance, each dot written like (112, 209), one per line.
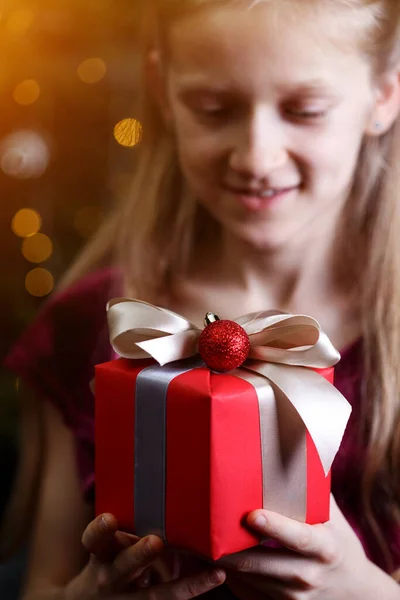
(283, 349)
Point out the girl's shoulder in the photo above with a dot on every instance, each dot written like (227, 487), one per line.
(55, 357)
(56, 354)
(93, 287)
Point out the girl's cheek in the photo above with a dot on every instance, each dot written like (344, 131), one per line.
(204, 154)
(211, 137)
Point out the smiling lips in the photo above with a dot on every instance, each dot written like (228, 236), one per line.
(254, 200)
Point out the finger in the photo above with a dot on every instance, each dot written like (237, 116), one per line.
(186, 588)
(298, 575)
(124, 539)
(285, 566)
(99, 537)
(309, 540)
(131, 562)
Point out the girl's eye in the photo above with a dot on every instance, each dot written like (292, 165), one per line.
(307, 114)
(212, 112)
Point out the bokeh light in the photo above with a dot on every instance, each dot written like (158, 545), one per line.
(37, 248)
(20, 21)
(24, 154)
(92, 70)
(27, 92)
(87, 220)
(128, 132)
(26, 222)
(39, 282)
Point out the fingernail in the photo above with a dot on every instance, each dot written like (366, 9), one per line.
(148, 548)
(217, 576)
(260, 521)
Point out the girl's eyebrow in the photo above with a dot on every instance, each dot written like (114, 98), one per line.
(309, 87)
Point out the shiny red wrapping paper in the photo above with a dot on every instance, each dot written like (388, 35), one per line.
(213, 459)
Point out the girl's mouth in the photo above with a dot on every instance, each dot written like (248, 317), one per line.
(255, 202)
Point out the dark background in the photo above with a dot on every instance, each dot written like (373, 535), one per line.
(58, 154)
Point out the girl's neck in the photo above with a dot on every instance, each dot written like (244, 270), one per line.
(285, 276)
(231, 278)
(276, 276)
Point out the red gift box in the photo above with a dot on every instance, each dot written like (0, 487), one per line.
(187, 453)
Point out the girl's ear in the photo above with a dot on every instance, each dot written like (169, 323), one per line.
(158, 86)
(386, 108)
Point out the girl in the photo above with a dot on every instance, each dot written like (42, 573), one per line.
(268, 177)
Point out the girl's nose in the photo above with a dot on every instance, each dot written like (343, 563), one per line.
(259, 151)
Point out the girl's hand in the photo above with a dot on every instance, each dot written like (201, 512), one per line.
(118, 560)
(318, 562)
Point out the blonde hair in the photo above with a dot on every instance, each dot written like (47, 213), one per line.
(155, 234)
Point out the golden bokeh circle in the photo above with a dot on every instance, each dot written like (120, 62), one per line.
(92, 70)
(128, 132)
(39, 282)
(26, 222)
(87, 220)
(27, 92)
(37, 248)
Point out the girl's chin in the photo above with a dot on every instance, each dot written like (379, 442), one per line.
(265, 239)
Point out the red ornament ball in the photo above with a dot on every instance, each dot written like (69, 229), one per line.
(224, 345)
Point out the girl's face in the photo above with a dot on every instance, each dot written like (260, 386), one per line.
(269, 108)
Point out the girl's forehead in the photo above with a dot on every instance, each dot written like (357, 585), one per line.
(264, 42)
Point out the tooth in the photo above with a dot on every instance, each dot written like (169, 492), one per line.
(268, 193)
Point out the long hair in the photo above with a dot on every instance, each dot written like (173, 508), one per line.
(155, 233)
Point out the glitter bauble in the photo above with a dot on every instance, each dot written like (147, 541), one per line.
(224, 345)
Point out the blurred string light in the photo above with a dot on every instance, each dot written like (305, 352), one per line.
(37, 248)
(87, 220)
(26, 222)
(128, 132)
(27, 92)
(92, 70)
(20, 21)
(39, 282)
(24, 154)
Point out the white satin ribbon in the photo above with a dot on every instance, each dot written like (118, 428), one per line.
(281, 345)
